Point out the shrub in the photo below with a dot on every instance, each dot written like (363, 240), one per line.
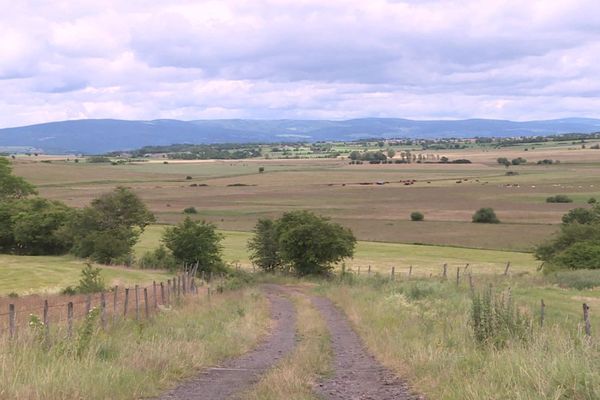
(91, 281)
(581, 216)
(592, 200)
(576, 279)
(159, 258)
(69, 291)
(496, 321)
(417, 216)
(190, 210)
(581, 255)
(189, 178)
(559, 198)
(264, 247)
(98, 159)
(485, 216)
(518, 161)
(261, 170)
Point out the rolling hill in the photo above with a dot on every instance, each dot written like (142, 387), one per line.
(103, 135)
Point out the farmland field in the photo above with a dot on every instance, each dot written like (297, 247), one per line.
(233, 194)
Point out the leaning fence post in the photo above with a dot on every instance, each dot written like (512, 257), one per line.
(542, 312)
(69, 319)
(162, 293)
(471, 286)
(457, 276)
(586, 319)
(115, 298)
(445, 273)
(154, 294)
(46, 323)
(507, 268)
(369, 271)
(146, 303)
(466, 267)
(126, 302)
(393, 275)
(137, 303)
(11, 320)
(103, 310)
(410, 271)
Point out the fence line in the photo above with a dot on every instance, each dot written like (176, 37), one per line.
(65, 310)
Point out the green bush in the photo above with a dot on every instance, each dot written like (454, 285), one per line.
(496, 321)
(485, 216)
(91, 281)
(190, 210)
(576, 279)
(559, 198)
(417, 216)
(159, 258)
(581, 255)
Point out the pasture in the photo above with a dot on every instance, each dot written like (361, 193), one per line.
(372, 200)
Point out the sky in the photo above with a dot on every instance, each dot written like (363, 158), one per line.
(304, 59)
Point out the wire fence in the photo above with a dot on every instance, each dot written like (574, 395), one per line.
(137, 302)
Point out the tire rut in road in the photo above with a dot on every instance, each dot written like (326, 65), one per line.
(235, 375)
(357, 374)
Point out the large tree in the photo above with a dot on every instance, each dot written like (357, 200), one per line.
(302, 241)
(110, 226)
(263, 246)
(195, 241)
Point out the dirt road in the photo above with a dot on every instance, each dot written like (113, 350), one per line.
(357, 374)
(234, 376)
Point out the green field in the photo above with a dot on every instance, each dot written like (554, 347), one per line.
(49, 274)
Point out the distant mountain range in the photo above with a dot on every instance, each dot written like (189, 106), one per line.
(95, 136)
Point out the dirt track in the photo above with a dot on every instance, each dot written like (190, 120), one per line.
(357, 375)
(233, 376)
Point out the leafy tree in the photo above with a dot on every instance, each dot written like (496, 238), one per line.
(12, 187)
(195, 241)
(38, 227)
(391, 152)
(264, 247)
(417, 216)
(559, 198)
(310, 244)
(108, 229)
(485, 216)
(190, 210)
(582, 216)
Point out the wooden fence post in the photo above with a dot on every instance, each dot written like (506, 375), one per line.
(46, 323)
(70, 319)
(179, 286)
(184, 283)
(11, 321)
(507, 268)
(88, 304)
(126, 302)
(542, 312)
(169, 293)
(369, 271)
(586, 319)
(115, 299)
(154, 295)
(457, 276)
(393, 275)
(358, 271)
(103, 310)
(146, 306)
(162, 293)
(445, 273)
(203, 276)
(466, 267)
(137, 303)
(410, 271)
(208, 293)
(471, 286)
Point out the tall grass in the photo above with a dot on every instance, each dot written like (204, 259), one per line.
(132, 360)
(295, 376)
(422, 330)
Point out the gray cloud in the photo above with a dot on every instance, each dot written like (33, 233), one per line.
(302, 59)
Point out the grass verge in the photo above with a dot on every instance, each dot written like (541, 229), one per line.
(296, 375)
(133, 360)
(422, 331)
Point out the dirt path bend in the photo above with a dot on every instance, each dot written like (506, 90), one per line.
(235, 375)
(357, 375)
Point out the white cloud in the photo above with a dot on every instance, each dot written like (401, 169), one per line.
(143, 59)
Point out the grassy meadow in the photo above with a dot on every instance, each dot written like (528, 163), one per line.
(134, 360)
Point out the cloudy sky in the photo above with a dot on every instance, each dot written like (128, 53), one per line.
(333, 59)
